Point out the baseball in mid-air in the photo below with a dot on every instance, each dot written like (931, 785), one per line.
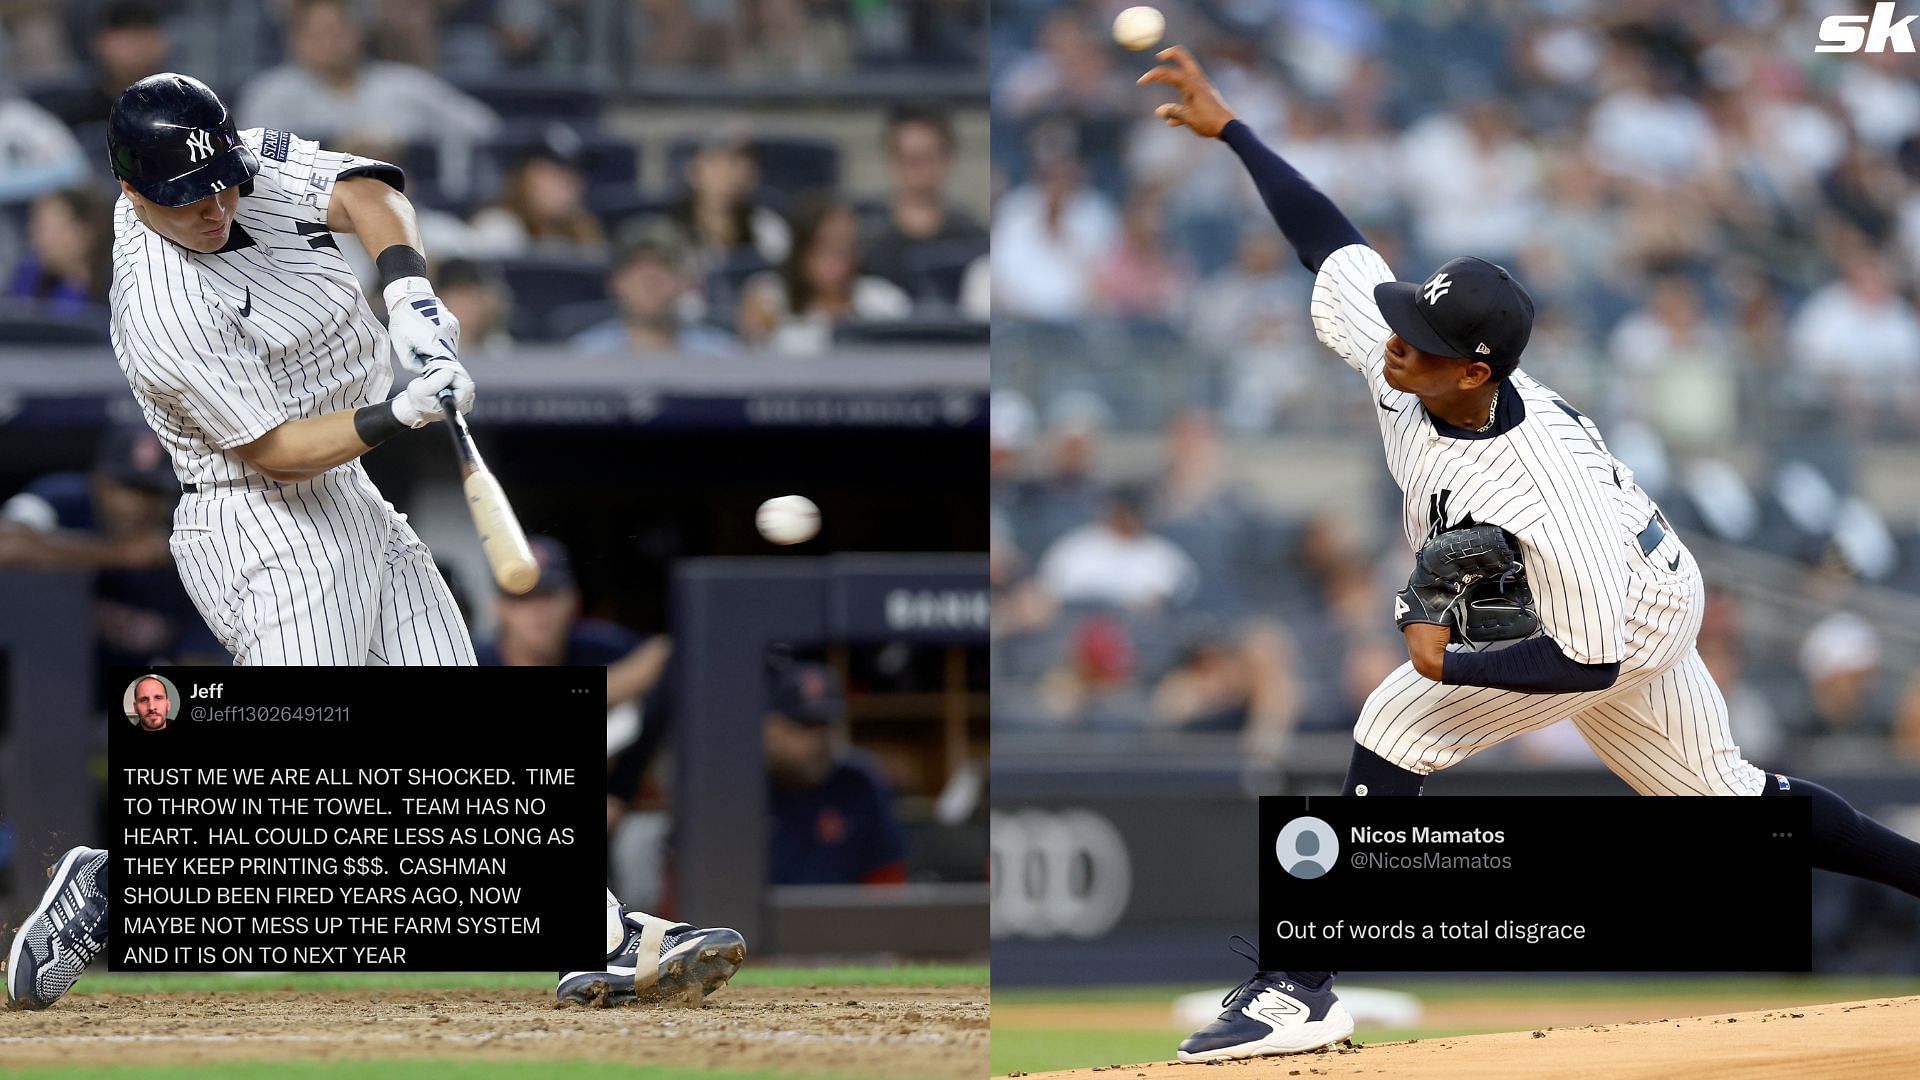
(1139, 28)
(788, 519)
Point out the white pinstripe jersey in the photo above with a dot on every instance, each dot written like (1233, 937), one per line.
(1547, 478)
(221, 348)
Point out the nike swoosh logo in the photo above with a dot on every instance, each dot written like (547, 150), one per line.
(1383, 404)
(1675, 564)
(246, 309)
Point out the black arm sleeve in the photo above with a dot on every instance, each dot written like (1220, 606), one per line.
(1313, 225)
(1534, 666)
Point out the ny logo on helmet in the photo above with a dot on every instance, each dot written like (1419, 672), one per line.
(200, 145)
(1437, 287)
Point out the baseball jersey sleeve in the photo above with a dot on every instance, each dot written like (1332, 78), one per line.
(300, 176)
(1345, 317)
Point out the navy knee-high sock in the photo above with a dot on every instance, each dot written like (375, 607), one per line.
(1847, 841)
(1371, 774)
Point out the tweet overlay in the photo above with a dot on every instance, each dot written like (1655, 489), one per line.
(357, 819)
(1534, 884)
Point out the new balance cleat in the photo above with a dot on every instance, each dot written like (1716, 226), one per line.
(1271, 1013)
(63, 935)
(658, 961)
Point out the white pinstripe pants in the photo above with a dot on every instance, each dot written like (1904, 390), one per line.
(320, 572)
(1662, 730)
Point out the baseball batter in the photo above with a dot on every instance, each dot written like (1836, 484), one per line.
(258, 363)
(1527, 530)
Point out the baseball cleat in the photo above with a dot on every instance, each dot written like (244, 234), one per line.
(691, 964)
(1271, 1013)
(63, 934)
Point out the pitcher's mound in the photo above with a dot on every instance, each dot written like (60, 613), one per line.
(1842, 1041)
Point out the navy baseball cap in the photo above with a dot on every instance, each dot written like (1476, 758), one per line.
(134, 457)
(807, 693)
(1470, 308)
(556, 569)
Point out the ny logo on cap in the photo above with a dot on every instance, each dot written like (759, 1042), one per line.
(1437, 287)
(200, 145)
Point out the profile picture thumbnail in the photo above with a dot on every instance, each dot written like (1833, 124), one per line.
(151, 702)
(1307, 847)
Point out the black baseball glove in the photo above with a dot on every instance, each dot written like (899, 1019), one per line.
(1471, 581)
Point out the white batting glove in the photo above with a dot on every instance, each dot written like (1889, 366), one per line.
(419, 404)
(418, 323)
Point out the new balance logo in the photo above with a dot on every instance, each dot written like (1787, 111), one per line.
(200, 144)
(1437, 287)
(1275, 1008)
(1862, 33)
(317, 234)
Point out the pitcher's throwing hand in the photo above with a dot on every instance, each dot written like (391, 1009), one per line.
(1200, 106)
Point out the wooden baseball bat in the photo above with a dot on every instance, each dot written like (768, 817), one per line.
(500, 534)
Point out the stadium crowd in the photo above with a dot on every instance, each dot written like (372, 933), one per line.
(532, 202)
(1721, 231)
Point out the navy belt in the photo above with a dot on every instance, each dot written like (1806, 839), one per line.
(1651, 536)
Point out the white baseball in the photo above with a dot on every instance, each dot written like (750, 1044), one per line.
(788, 519)
(1139, 28)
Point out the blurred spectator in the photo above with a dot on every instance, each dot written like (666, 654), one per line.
(1850, 702)
(478, 297)
(678, 35)
(543, 628)
(37, 153)
(552, 35)
(1644, 130)
(1249, 313)
(333, 93)
(795, 310)
(69, 258)
(1116, 562)
(1477, 188)
(544, 207)
(789, 40)
(919, 221)
(718, 209)
(1066, 494)
(1751, 715)
(1051, 236)
(1140, 280)
(832, 816)
(1678, 366)
(115, 521)
(1097, 683)
(1228, 682)
(1071, 73)
(1858, 336)
(129, 43)
(650, 285)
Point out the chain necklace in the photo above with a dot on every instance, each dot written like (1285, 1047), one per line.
(1493, 411)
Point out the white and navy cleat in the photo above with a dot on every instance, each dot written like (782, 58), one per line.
(63, 934)
(691, 964)
(1271, 1013)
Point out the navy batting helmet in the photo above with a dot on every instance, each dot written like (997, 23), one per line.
(173, 140)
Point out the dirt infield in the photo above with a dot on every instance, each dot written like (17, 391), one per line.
(1845, 1040)
(860, 1031)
